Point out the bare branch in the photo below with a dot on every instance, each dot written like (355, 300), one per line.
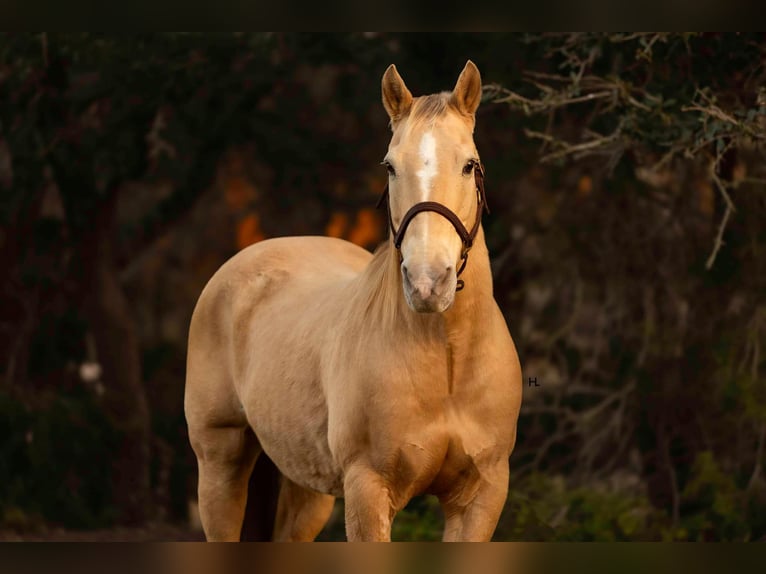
(569, 149)
(729, 207)
(758, 458)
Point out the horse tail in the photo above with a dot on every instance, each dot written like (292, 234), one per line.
(262, 496)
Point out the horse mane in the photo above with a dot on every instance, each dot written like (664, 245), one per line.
(378, 293)
(376, 296)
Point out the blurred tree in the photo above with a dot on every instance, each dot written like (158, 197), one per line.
(81, 117)
(86, 120)
(643, 266)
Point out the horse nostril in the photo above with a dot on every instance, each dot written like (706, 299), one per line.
(447, 274)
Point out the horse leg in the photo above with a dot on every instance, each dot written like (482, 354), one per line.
(301, 513)
(225, 456)
(369, 508)
(475, 520)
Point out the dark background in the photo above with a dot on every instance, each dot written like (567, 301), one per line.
(625, 174)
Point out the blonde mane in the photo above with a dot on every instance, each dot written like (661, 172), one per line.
(375, 296)
(431, 107)
(428, 109)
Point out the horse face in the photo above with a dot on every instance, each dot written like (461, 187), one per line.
(431, 157)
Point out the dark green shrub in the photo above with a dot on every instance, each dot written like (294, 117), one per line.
(55, 457)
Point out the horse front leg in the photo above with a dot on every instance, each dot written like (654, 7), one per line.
(475, 519)
(369, 508)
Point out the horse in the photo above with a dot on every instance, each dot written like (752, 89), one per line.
(374, 377)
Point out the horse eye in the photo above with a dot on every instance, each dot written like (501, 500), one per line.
(468, 168)
(389, 168)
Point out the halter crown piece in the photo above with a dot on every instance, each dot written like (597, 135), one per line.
(466, 236)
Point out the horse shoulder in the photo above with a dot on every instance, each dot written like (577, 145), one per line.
(221, 315)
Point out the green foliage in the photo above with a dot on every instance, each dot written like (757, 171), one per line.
(713, 506)
(420, 521)
(659, 96)
(55, 458)
(545, 508)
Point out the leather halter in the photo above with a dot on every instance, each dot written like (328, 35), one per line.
(466, 236)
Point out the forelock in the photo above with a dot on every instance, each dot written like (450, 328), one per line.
(432, 107)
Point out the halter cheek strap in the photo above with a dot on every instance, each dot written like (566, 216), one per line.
(466, 236)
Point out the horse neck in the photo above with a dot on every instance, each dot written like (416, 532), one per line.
(466, 320)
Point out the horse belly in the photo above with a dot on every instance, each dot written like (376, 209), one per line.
(287, 411)
(304, 458)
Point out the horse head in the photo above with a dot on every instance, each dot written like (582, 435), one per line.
(435, 190)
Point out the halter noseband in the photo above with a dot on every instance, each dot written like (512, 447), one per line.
(466, 236)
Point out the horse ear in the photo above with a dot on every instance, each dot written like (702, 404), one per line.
(467, 92)
(397, 99)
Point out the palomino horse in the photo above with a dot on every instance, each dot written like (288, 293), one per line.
(371, 377)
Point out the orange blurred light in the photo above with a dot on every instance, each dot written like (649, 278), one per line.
(366, 230)
(239, 193)
(337, 225)
(249, 231)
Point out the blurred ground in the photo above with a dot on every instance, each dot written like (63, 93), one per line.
(148, 533)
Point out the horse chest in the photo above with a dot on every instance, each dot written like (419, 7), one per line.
(445, 467)
(443, 456)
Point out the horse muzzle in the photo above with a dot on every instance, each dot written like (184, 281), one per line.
(429, 289)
